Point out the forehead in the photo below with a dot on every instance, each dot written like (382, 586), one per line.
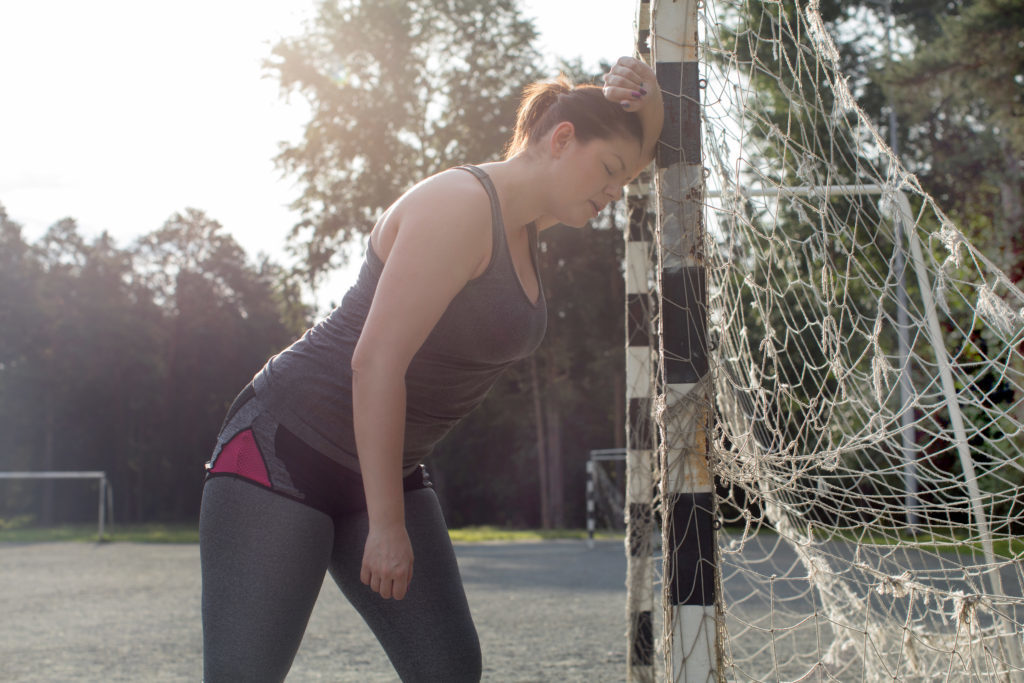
(625, 148)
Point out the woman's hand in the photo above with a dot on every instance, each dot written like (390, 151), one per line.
(634, 84)
(631, 82)
(387, 561)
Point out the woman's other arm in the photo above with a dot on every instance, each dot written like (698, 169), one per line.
(437, 247)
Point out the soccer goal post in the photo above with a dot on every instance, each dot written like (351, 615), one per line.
(824, 381)
(105, 507)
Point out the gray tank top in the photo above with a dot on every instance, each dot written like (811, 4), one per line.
(489, 324)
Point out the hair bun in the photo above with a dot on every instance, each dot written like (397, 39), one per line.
(545, 104)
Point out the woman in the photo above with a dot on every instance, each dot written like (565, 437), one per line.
(317, 467)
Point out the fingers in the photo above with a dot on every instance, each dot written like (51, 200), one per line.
(398, 590)
(365, 575)
(630, 71)
(389, 584)
(387, 561)
(629, 81)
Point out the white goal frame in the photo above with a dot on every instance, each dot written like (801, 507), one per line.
(601, 454)
(106, 497)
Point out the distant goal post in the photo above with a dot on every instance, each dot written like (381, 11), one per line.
(606, 490)
(106, 496)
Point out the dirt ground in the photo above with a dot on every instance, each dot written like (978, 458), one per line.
(549, 611)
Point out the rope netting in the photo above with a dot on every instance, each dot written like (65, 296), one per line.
(865, 395)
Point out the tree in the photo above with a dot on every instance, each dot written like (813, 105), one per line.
(960, 96)
(399, 91)
(222, 318)
(20, 325)
(125, 360)
(61, 394)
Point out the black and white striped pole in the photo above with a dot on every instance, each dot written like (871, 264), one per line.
(640, 444)
(685, 483)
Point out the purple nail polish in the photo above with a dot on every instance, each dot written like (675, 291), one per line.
(625, 104)
(643, 91)
(637, 95)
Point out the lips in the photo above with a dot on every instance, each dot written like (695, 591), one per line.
(594, 206)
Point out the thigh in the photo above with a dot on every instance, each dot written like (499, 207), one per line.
(263, 560)
(429, 635)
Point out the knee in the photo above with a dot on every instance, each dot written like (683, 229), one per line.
(458, 661)
(232, 669)
(462, 664)
(467, 663)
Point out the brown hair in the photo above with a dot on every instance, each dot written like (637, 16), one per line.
(545, 104)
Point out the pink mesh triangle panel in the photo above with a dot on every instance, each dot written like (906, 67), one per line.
(241, 456)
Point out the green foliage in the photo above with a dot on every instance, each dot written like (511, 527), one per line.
(490, 534)
(126, 533)
(399, 91)
(960, 98)
(124, 360)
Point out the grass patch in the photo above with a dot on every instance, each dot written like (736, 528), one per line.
(189, 533)
(952, 541)
(128, 533)
(483, 534)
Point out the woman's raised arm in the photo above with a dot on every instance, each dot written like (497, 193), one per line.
(633, 83)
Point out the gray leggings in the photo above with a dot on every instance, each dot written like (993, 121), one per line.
(263, 562)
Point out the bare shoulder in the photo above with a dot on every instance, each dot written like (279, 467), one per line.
(448, 208)
(433, 240)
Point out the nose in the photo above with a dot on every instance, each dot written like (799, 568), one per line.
(615, 191)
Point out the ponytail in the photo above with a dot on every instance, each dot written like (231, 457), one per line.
(545, 104)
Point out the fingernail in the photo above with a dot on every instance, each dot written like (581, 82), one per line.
(625, 104)
(637, 95)
(643, 91)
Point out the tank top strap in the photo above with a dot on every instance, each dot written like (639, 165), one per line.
(497, 222)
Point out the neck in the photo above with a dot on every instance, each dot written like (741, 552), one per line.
(521, 186)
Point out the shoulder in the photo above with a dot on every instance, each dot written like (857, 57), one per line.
(449, 206)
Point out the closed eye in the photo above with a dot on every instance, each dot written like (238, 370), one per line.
(607, 169)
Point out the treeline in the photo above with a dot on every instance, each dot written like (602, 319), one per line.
(124, 359)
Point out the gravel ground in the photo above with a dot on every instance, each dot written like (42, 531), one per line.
(548, 611)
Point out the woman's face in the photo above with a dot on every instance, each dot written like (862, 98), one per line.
(590, 175)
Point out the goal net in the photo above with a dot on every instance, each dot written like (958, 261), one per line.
(867, 383)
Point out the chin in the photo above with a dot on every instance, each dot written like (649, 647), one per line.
(576, 222)
(573, 219)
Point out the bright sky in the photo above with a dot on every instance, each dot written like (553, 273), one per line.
(119, 113)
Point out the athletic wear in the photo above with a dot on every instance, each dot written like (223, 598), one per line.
(489, 324)
(263, 560)
(253, 446)
(283, 500)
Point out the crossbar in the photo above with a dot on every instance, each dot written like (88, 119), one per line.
(106, 491)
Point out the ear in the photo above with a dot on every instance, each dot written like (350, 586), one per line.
(562, 136)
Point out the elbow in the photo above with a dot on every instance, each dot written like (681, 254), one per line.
(362, 362)
(373, 362)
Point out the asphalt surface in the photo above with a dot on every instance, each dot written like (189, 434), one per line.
(550, 611)
(545, 611)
